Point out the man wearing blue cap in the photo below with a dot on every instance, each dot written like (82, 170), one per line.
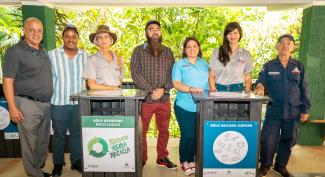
(285, 80)
(67, 66)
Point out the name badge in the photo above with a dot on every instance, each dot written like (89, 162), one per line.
(296, 71)
(273, 73)
(185, 65)
(241, 60)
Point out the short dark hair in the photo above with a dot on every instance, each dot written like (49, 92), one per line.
(150, 22)
(70, 27)
(188, 39)
(289, 36)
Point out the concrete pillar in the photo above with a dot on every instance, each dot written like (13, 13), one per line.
(312, 55)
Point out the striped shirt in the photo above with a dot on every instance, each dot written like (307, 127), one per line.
(150, 72)
(67, 75)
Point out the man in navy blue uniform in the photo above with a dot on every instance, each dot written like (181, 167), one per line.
(285, 80)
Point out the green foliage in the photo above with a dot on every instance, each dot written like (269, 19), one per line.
(261, 30)
(60, 22)
(10, 28)
(11, 24)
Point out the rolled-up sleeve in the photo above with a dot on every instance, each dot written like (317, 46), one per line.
(90, 69)
(213, 60)
(249, 64)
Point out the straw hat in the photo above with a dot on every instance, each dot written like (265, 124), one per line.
(102, 29)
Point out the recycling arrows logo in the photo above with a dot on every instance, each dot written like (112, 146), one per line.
(95, 141)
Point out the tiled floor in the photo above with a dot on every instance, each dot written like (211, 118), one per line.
(304, 162)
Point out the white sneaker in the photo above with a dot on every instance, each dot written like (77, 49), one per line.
(192, 165)
(186, 168)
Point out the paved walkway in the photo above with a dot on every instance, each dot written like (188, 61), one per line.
(304, 162)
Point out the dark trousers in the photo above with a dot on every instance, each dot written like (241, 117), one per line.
(186, 121)
(278, 135)
(65, 117)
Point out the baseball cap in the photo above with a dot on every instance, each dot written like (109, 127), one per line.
(289, 36)
(150, 22)
(70, 27)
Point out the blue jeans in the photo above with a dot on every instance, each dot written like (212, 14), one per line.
(186, 121)
(65, 118)
(278, 135)
(230, 88)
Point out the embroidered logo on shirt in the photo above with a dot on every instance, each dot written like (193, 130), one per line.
(296, 70)
(273, 73)
(241, 60)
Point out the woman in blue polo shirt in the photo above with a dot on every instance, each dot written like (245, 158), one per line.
(189, 75)
(230, 65)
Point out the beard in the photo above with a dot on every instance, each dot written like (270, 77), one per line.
(154, 45)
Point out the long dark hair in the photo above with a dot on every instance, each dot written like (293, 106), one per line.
(224, 49)
(188, 39)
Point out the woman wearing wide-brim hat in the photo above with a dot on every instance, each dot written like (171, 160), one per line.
(104, 70)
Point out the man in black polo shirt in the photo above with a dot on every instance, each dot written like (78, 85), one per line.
(27, 85)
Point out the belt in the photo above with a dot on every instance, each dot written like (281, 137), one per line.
(231, 87)
(30, 98)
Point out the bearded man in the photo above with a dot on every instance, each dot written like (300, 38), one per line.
(151, 66)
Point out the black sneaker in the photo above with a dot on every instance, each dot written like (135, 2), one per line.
(282, 170)
(76, 166)
(165, 162)
(57, 170)
(43, 165)
(46, 174)
(262, 171)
